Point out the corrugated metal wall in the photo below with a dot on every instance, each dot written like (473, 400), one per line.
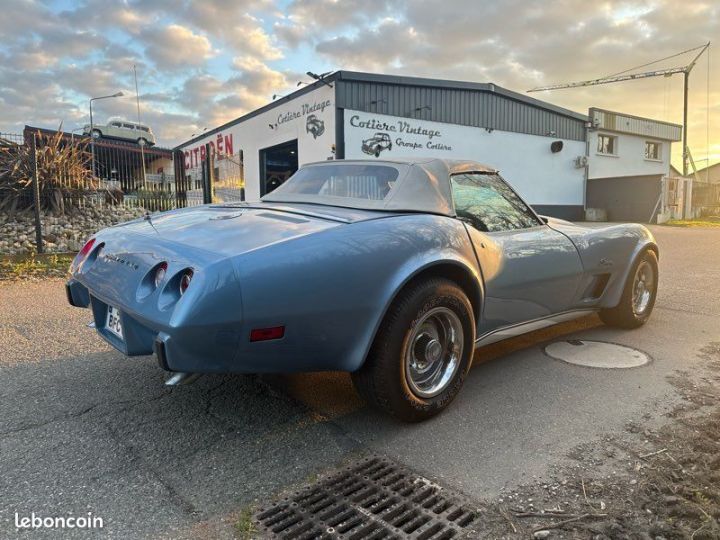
(465, 107)
(636, 126)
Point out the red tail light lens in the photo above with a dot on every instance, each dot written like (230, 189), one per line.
(86, 248)
(82, 254)
(160, 273)
(185, 280)
(265, 334)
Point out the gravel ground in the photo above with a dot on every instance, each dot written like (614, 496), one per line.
(649, 481)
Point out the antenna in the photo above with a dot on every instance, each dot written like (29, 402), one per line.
(625, 75)
(320, 78)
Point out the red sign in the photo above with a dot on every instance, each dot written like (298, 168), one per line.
(221, 146)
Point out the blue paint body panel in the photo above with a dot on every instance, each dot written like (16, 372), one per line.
(327, 275)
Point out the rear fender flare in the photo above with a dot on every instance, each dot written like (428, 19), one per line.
(430, 266)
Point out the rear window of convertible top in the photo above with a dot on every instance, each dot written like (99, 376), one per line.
(369, 182)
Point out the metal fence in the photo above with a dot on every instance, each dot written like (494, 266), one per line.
(706, 199)
(219, 178)
(46, 173)
(47, 176)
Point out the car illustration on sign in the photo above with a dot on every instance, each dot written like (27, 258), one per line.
(376, 144)
(395, 271)
(315, 126)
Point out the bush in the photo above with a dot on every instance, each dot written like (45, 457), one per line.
(64, 173)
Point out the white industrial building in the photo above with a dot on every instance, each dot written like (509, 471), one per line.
(548, 153)
(629, 168)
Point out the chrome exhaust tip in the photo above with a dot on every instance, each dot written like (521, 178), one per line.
(178, 378)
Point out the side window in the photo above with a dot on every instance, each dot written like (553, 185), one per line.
(652, 150)
(489, 204)
(607, 144)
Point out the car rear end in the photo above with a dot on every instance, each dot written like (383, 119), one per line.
(150, 295)
(169, 284)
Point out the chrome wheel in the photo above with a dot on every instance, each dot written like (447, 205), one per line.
(434, 352)
(643, 287)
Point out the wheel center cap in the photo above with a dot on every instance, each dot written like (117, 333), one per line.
(433, 350)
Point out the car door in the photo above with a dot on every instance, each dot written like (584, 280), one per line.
(530, 270)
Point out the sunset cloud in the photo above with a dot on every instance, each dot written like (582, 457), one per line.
(203, 63)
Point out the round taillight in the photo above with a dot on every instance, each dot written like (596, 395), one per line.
(160, 273)
(86, 248)
(82, 254)
(185, 280)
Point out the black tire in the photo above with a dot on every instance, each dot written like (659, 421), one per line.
(383, 379)
(625, 314)
(377, 153)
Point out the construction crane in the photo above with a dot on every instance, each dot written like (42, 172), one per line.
(627, 76)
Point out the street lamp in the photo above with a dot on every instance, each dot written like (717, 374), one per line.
(92, 134)
(72, 135)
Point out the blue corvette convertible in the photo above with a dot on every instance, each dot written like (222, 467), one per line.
(392, 270)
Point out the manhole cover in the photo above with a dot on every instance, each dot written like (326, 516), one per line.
(596, 354)
(372, 499)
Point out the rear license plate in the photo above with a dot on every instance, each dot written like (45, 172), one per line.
(113, 322)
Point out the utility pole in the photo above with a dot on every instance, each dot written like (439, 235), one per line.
(142, 145)
(686, 82)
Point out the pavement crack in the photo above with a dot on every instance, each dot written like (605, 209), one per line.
(77, 414)
(173, 495)
(59, 418)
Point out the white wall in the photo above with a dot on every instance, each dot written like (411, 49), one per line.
(288, 121)
(629, 158)
(540, 176)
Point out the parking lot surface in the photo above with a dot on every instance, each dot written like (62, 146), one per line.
(84, 429)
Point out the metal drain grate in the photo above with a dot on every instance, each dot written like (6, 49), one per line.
(372, 499)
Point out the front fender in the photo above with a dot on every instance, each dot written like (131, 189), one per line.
(608, 250)
(615, 287)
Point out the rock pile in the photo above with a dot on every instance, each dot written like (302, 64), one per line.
(61, 232)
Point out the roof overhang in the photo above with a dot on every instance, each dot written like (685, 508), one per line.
(634, 125)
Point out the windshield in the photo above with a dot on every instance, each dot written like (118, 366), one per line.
(349, 182)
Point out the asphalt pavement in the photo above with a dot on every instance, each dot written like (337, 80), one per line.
(84, 429)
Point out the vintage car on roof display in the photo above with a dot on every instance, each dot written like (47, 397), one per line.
(117, 128)
(394, 271)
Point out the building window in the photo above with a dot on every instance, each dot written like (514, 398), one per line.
(607, 144)
(652, 150)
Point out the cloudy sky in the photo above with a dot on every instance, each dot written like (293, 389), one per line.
(203, 63)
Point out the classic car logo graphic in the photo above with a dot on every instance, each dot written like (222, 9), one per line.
(315, 126)
(114, 258)
(376, 144)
